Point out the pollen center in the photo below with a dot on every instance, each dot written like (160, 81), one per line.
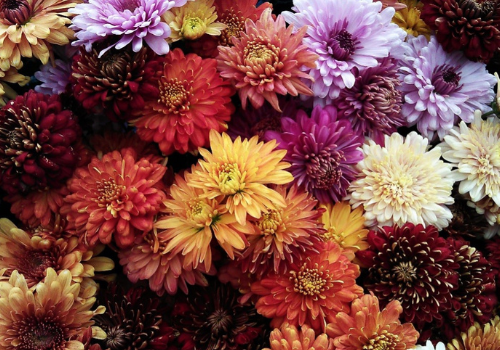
(230, 179)
(323, 168)
(308, 281)
(270, 222)
(193, 28)
(384, 341)
(174, 96)
(36, 334)
(405, 272)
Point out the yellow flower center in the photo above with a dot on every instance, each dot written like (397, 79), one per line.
(230, 179)
(308, 281)
(193, 28)
(174, 96)
(384, 341)
(270, 222)
(333, 235)
(399, 188)
(201, 212)
(256, 53)
(109, 195)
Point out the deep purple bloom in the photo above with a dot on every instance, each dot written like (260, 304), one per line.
(321, 150)
(129, 21)
(54, 79)
(345, 34)
(441, 88)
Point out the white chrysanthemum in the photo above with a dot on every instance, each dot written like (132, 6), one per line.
(403, 182)
(429, 346)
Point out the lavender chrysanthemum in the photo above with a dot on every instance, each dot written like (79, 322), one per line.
(345, 34)
(129, 21)
(54, 79)
(441, 88)
(321, 150)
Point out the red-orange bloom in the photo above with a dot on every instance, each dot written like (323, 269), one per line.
(118, 195)
(312, 292)
(289, 337)
(190, 100)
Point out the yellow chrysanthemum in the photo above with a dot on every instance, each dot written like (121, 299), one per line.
(193, 20)
(345, 227)
(478, 337)
(409, 19)
(10, 74)
(240, 171)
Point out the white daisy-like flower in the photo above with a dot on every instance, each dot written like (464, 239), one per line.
(429, 346)
(403, 182)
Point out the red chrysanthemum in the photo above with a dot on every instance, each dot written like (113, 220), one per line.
(188, 101)
(467, 25)
(37, 143)
(312, 292)
(116, 196)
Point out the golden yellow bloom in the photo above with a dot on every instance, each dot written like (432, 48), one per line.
(240, 171)
(478, 337)
(193, 20)
(409, 19)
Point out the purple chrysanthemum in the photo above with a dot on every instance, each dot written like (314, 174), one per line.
(345, 34)
(440, 88)
(321, 150)
(54, 79)
(130, 21)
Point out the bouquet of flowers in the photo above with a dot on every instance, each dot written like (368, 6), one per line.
(243, 175)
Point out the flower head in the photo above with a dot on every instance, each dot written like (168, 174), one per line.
(289, 337)
(478, 337)
(403, 182)
(266, 61)
(345, 34)
(409, 19)
(55, 79)
(322, 151)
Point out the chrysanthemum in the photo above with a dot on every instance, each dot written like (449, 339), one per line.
(368, 327)
(403, 182)
(413, 265)
(29, 27)
(312, 292)
(322, 151)
(50, 317)
(283, 235)
(345, 34)
(440, 88)
(37, 143)
(266, 61)
(188, 101)
(192, 20)
(478, 337)
(373, 104)
(135, 22)
(470, 26)
(115, 197)
(345, 226)
(409, 19)
(289, 337)
(54, 78)
(241, 171)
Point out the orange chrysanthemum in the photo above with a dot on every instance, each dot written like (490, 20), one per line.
(28, 27)
(312, 292)
(190, 100)
(478, 337)
(283, 235)
(240, 171)
(366, 327)
(266, 61)
(288, 337)
(50, 317)
(116, 196)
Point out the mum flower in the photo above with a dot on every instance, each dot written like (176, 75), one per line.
(478, 337)
(188, 100)
(241, 171)
(345, 34)
(266, 61)
(366, 326)
(289, 337)
(54, 78)
(135, 22)
(114, 197)
(403, 182)
(440, 88)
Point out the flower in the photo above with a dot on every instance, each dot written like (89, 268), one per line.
(240, 171)
(345, 227)
(366, 326)
(212, 318)
(478, 337)
(403, 182)
(29, 27)
(312, 292)
(266, 61)
(54, 78)
(409, 19)
(135, 22)
(283, 235)
(440, 88)
(289, 337)
(428, 346)
(413, 265)
(37, 143)
(322, 151)
(50, 317)
(345, 34)
(192, 20)
(373, 104)
(475, 153)
(114, 197)
(473, 27)
(188, 101)
(111, 141)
